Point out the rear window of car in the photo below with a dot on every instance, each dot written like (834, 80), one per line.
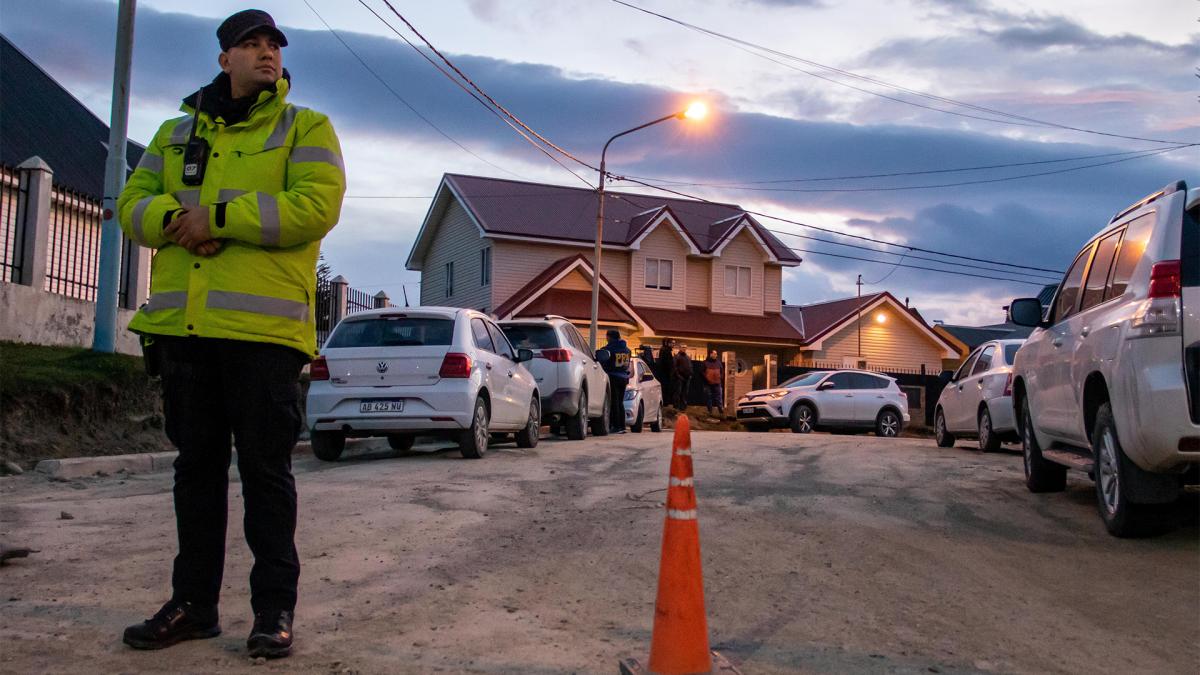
(410, 331)
(1010, 353)
(531, 337)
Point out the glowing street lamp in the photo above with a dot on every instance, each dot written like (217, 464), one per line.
(695, 112)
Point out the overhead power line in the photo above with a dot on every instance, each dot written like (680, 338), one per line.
(400, 98)
(1010, 118)
(518, 129)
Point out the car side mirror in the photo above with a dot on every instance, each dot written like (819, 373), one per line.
(524, 355)
(1026, 312)
(602, 355)
(827, 385)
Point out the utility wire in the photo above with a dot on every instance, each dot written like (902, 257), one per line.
(484, 94)
(915, 267)
(400, 98)
(473, 95)
(1020, 120)
(678, 183)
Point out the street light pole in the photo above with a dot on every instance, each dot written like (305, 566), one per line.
(695, 111)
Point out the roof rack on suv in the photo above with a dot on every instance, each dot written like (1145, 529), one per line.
(556, 316)
(1169, 189)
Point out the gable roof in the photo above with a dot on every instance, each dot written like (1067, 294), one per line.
(818, 320)
(973, 336)
(41, 118)
(505, 208)
(532, 293)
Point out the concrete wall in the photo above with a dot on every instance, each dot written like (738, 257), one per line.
(39, 317)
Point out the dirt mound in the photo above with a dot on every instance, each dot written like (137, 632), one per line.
(60, 402)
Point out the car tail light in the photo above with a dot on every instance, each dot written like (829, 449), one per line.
(1008, 385)
(318, 369)
(556, 355)
(1166, 279)
(455, 365)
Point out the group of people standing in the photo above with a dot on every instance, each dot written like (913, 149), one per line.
(673, 368)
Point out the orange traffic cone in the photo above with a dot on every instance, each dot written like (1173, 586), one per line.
(679, 643)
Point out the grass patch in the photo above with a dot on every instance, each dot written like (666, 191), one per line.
(26, 369)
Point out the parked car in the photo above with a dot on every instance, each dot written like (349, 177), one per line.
(978, 399)
(643, 399)
(428, 370)
(574, 386)
(840, 399)
(1109, 382)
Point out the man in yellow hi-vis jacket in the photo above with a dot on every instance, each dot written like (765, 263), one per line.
(235, 198)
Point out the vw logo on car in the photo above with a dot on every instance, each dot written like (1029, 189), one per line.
(381, 366)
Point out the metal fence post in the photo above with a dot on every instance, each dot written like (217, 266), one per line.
(339, 288)
(382, 301)
(33, 221)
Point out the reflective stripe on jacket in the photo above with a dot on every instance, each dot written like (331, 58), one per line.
(281, 177)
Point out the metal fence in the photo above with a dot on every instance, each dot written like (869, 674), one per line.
(74, 251)
(336, 300)
(357, 301)
(819, 364)
(10, 263)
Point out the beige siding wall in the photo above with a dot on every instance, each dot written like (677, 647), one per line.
(575, 281)
(895, 342)
(772, 289)
(456, 239)
(516, 263)
(663, 243)
(743, 251)
(699, 286)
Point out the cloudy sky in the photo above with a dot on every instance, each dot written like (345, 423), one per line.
(580, 70)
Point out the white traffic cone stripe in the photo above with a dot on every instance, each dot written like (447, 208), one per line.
(681, 515)
(682, 482)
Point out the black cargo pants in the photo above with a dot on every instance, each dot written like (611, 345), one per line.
(215, 390)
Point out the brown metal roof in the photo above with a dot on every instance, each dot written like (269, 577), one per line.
(519, 208)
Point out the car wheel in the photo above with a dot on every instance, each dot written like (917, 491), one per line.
(1041, 475)
(944, 438)
(328, 445)
(989, 440)
(473, 441)
(887, 424)
(528, 437)
(657, 425)
(1113, 473)
(639, 420)
(577, 425)
(401, 441)
(600, 424)
(803, 417)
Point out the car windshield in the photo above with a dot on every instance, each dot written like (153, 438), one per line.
(805, 380)
(1010, 353)
(393, 331)
(531, 337)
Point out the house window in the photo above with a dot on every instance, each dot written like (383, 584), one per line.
(659, 273)
(449, 279)
(737, 281)
(485, 266)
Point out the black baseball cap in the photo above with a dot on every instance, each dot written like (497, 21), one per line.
(238, 26)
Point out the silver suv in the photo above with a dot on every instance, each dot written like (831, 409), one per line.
(842, 399)
(1109, 382)
(573, 384)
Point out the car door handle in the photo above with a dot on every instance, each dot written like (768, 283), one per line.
(1057, 342)
(488, 366)
(1083, 332)
(510, 373)
(960, 387)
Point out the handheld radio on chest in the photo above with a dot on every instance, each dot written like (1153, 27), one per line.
(195, 155)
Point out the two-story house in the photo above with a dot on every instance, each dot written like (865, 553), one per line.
(707, 275)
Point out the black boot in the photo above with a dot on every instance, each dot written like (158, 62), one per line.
(175, 622)
(272, 634)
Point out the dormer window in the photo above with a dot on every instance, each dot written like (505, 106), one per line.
(737, 281)
(659, 273)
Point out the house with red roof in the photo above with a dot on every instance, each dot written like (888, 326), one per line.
(707, 275)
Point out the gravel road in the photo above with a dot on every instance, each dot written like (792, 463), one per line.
(821, 553)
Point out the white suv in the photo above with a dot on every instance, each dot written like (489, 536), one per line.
(1109, 382)
(574, 386)
(841, 399)
(425, 370)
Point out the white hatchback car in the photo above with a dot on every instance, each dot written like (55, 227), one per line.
(840, 399)
(978, 399)
(423, 370)
(643, 398)
(1109, 380)
(573, 385)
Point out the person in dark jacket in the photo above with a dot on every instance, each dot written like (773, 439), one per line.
(713, 374)
(683, 378)
(665, 369)
(647, 354)
(617, 368)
